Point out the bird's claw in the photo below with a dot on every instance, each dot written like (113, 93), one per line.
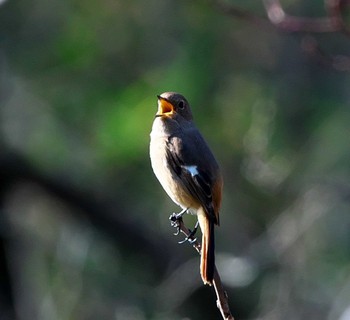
(175, 221)
(190, 238)
(175, 217)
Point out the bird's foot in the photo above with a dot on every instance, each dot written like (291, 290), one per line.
(176, 219)
(190, 238)
(177, 216)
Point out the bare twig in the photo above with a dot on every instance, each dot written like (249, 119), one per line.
(232, 10)
(335, 10)
(332, 22)
(222, 297)
(286, 22)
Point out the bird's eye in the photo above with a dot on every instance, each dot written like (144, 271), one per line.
(181, 104)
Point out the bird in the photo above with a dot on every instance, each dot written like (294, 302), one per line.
(187, 170)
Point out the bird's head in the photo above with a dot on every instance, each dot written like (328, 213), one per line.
(173, 105)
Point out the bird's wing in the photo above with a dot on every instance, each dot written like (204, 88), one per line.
(192, 161)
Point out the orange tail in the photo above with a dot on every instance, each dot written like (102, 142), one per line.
(208, 247)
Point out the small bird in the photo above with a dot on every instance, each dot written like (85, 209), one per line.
(187, 170)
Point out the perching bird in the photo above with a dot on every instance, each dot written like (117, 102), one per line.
(187, 170)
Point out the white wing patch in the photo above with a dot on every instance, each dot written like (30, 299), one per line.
(191, 169)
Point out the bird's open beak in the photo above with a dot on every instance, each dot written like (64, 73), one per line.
(164, 107)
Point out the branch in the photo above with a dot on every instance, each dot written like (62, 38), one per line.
(333, 21)
(222, 297)
(286, 22)
(240, 13)
(336, 10)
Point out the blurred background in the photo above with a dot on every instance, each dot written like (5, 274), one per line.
(84, 229)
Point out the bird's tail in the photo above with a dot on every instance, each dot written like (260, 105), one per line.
(207, 265)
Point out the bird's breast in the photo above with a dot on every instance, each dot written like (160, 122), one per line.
(166, 176)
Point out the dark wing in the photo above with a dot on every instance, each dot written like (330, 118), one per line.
(192, 161)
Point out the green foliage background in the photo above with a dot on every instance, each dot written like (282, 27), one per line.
(78, 88)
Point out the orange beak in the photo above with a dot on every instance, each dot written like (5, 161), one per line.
(164, 107)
